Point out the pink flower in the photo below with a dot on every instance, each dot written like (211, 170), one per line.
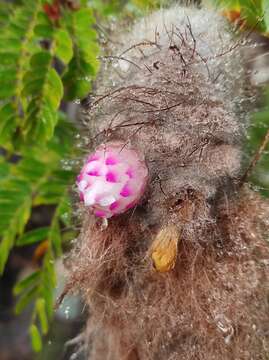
(112, 180)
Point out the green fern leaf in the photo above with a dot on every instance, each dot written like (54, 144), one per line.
(63, 46)
(41, 311)
(16, 46)
(28, 282)
(45, 91)
(8, 122)
(15, 205)
(84, 65)
(27, 297)
(36, 338)
(33, 236)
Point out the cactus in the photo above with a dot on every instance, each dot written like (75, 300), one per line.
(182, 275)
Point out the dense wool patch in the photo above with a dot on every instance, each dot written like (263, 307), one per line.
(176, 91)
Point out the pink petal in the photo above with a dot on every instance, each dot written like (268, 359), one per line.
(125, 192)
(93, 173)
(114, 205)
(111, 160)
(111, 177)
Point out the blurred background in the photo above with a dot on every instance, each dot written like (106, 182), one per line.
(49, 57)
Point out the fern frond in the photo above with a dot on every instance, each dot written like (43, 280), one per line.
(15, 205)
(16, 46)
(84, 64)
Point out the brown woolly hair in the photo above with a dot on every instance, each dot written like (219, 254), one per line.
(184, 275)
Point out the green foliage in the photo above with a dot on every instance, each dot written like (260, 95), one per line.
(32, 89)
(36, 338)
(257, 132)
(15, 202)
(84, 63)
(46, 58)
(36, 179)
(254, 12)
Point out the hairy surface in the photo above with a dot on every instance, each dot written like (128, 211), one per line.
(177, 92)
